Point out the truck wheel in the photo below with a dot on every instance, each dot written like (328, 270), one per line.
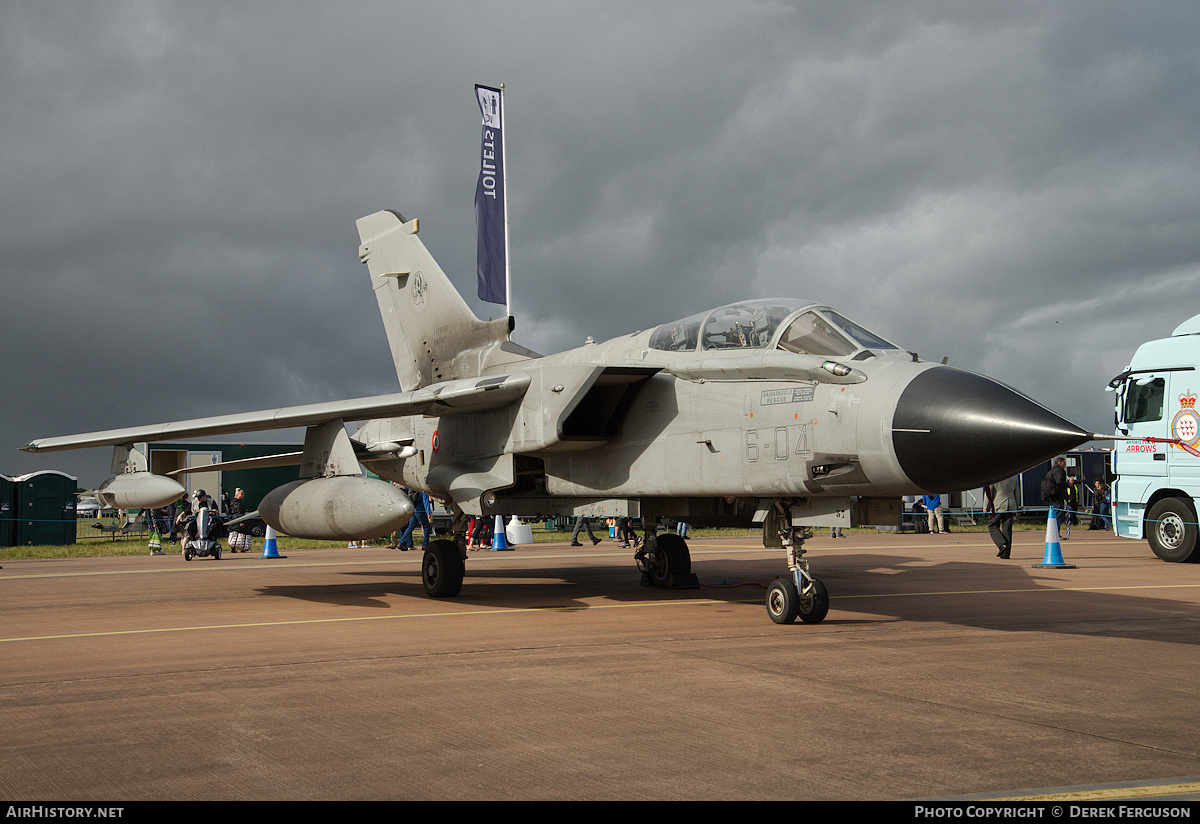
(1172, 531)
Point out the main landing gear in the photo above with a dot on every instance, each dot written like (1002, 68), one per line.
(665, 561)
(442, 569)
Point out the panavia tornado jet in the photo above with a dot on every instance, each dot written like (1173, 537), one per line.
(779, 413)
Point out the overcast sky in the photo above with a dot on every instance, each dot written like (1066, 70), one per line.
(1013, 185)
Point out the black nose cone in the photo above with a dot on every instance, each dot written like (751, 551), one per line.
(956, 430)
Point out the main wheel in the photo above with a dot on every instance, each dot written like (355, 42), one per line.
(442, 569)
(814, 606)
(783, 601)
(1171, 530)
(672, 558)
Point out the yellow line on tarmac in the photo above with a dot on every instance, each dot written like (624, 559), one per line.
(203, 566)
(464, 613)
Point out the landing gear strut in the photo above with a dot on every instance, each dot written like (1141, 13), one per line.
(799, 595)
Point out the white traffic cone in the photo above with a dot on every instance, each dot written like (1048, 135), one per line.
(1053, 559)
(499, 540)
(271, 546)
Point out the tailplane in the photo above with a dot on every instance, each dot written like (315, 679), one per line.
(434, 336)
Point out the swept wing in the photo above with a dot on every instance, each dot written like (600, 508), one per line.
(448, 398)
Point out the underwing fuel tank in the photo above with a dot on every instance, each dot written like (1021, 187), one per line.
(139, 490)
(957, 430)
(342, 508)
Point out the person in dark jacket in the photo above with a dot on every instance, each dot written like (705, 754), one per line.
(1058, 493)
(238, 540)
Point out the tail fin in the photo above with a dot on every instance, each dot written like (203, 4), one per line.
(434, 336)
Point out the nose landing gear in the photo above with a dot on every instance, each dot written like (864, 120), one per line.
(799, 595)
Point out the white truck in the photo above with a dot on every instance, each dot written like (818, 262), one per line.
(1157, 487)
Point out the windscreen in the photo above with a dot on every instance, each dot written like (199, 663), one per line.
(828, 334)
(866, 338)
(811, 334)
(1144, 401)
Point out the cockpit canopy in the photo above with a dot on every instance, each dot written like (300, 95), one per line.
(792, 325)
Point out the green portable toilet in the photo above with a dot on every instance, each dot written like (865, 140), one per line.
(45, 508)
(8, 514)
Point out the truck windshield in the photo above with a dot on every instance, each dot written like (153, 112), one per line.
(1144, 401)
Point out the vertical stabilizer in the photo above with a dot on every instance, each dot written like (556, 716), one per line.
(434, 336)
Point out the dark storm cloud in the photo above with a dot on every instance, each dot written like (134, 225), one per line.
(1010, 185)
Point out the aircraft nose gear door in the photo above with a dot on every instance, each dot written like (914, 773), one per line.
(799, 595)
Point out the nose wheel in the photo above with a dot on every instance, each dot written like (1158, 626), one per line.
(786, 603)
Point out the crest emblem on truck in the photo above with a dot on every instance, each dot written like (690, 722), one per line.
(1186, 425)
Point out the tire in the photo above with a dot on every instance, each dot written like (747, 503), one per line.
(815, 606)
(783, 601)
(673, 559)
(258, 531)
(187, 554)
(442, 569)
(1172, 532)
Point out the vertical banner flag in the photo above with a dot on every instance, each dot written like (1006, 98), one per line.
(491, 254)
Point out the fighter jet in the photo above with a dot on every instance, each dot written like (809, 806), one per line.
(777, 413)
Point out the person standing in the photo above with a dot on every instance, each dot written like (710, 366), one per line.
(1054, 492)
(480, 534)
(933, 510)
(1007, 500)
(1072, 503)
(1102, 503)
(184, 522)
(239, 541)
(582, 523)
(420, 502)
(627, 534)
